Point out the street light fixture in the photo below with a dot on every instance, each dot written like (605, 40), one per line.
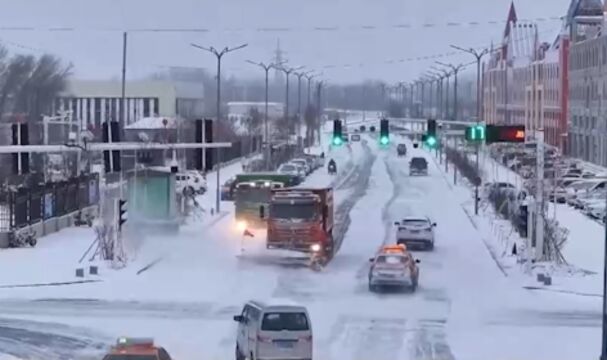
(455, 69)
(266, 68)
(219, 55)
(478, 55)
(445, 75)
(299, 75)
(288, 71)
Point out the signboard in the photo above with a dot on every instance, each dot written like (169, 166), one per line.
(355, 137)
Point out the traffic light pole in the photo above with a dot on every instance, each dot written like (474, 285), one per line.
(477, 146)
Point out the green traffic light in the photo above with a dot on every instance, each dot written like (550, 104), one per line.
(384, 140)
(431, 141)
(337, 140)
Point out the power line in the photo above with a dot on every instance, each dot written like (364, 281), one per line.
(363, 27)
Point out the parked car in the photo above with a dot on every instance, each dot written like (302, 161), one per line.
(301, 170)
(292, 169)
(304, 163)
(190, 182)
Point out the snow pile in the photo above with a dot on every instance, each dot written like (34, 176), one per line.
(152, 123)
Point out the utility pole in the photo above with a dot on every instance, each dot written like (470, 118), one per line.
(219, 55)
(266, 68)
(478, 55)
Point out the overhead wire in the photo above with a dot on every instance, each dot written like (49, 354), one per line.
(367, 27)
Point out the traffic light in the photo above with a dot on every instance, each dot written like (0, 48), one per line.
(476, 133)
(384, 132)
(208, 138)
(430, 138)
(122, 213)
(337, 133)
(505, 133)
(431, 127)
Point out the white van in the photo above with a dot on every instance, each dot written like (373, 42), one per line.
(273, 331)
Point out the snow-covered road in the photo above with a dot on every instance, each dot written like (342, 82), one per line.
(465, 308)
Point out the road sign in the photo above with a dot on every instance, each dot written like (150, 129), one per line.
(355, 137)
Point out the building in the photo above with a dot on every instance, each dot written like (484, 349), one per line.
(239, 110)
(526, 82)
(94, 102)
(587, 81)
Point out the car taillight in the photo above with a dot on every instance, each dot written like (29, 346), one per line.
(264, 339)
(306, 338)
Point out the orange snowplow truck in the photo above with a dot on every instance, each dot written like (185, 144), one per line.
(301, 220)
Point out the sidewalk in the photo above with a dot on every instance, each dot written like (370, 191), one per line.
(583, 249)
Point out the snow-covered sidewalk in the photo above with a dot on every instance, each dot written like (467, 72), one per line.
(583, 249)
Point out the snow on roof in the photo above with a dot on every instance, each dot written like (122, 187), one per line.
(415, 218)
(276, 302)
(150, 123)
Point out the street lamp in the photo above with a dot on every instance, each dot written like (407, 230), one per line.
(444, 104)
(478, 55)
(287, 72)
(219, 55)
(266, 68)
(309, 77)
(299, 75)
(438, 77)
(455, 69)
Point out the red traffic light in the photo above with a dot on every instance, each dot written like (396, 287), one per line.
(505, 133)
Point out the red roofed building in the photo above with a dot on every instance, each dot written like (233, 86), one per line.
(526, 83)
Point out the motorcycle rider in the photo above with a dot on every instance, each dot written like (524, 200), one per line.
(332, 167)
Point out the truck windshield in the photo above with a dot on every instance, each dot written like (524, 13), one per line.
(293, 211)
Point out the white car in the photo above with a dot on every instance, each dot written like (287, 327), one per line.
(190, 182)
(300, 168)
(303, 163)
(416, 231)
(291, 169)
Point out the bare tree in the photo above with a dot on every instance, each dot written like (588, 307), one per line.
(47, 79)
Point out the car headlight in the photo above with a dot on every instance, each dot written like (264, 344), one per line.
(315, 247)
(241, 225)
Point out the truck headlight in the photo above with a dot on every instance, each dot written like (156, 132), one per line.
(315, 247)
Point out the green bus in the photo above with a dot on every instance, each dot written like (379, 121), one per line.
(253, 190)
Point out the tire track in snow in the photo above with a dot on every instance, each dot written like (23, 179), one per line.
(359, 337)
(49, 341)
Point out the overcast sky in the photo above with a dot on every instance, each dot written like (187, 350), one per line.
(367, 34)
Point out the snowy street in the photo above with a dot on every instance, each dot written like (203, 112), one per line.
(465, 308)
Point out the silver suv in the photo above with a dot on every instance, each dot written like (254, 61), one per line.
(416, 232)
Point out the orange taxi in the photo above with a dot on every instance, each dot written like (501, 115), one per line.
(136, 349)
(393, 266)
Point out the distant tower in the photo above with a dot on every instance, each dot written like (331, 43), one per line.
(278, 58)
